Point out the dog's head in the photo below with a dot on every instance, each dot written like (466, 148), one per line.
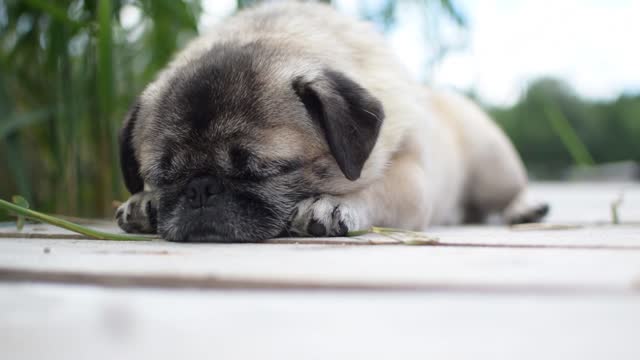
(230, 142)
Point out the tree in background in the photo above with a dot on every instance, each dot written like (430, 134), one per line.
(554, 129)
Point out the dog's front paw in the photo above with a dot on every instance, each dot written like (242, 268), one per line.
(138, 214)
(324, 215)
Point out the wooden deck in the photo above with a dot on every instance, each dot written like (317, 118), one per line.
(569, 290)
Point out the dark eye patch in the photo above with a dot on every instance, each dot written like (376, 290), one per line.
(239, 158)
(166, 161)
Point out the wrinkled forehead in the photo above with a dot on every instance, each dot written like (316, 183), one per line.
(224, 94)
(274, 142)
(223, 151)
(211, 98)
(219, 108)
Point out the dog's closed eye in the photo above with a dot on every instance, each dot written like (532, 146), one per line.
(247, 166)
(258, 170)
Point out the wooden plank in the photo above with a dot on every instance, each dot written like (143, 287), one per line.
(626, 236)
(55, 322)
(386, 266)
(588, 258)
(483, 292)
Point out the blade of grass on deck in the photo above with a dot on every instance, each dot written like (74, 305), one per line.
(100, 235)
(22, 202)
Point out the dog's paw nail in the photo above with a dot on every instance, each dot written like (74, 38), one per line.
(342, 229)
(152, 215)
(316, 228)
(542, 210)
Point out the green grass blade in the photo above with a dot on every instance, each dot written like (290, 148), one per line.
(568, 136)
(106, 130)
(20, 201)
(100, 235)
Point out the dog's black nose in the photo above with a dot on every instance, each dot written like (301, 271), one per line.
(201, 189)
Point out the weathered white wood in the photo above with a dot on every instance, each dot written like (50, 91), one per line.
(485, 256)
(53, 322)
(588, 202)
(484, 292)
(388, 265)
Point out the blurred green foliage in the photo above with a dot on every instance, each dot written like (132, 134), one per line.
(70, 69)
(554, 129)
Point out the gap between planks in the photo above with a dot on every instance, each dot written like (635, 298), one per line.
(209, 282)
(359, 241)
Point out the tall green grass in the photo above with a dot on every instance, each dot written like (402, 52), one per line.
(70, 69)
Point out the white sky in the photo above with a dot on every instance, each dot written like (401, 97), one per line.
(592, 44)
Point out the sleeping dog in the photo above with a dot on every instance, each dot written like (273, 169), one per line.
(292, 119)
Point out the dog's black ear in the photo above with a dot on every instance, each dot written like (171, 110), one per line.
(347, 113)
(128, 162)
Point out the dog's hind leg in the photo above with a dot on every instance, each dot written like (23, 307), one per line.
(498, 186)
(497, 181)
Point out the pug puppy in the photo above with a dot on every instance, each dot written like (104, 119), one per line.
(292, 119)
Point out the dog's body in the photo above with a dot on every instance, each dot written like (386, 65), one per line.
(293, 119)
